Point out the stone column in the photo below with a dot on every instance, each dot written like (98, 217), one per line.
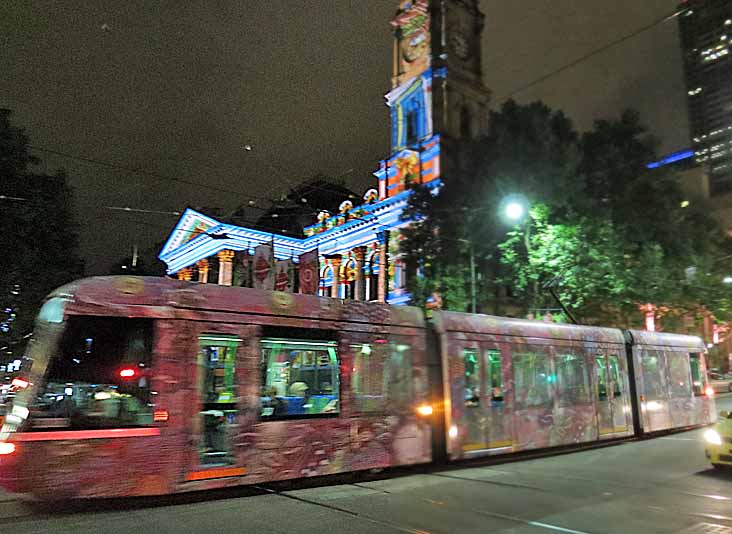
(225, 267)
(203, 271)
(360, 253)
(381, 238)
(335, 265)
(185, 274)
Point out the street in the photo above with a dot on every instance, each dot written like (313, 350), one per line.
(658, 485)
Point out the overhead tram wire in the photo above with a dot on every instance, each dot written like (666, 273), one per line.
(143, 172)
(593, 53)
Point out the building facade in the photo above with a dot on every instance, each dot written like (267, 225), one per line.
(437, 99)
(706, 39)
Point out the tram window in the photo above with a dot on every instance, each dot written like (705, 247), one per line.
(495, 372)
(679, 375)
(99, 377)
(697, 378)
(367, 378)
(398, 378)
(573, 385)
(532, 380)
(616, 377)
(601, 377)
(300, 377)
(472, 377)
(217, 386)
(654, 384)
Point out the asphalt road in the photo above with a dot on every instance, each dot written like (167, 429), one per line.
(661, 485)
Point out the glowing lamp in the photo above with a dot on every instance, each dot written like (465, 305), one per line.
(709, 391)
(19, 383)
(127, 372)
(514, 211)
(6, 448)
(425, 410)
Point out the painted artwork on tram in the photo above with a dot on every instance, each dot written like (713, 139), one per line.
(181, 399)
(520, 385)
(671, 381)
(143, 386)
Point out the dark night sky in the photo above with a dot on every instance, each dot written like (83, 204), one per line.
(180, 87)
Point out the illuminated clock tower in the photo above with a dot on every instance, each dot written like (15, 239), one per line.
(437, 99)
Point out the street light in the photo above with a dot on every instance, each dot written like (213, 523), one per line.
(514, 208)
(514, 211)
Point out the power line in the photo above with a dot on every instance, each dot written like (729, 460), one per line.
(593, 53)
(143, 172)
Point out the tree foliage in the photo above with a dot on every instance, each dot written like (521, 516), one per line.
(38, 236)
(604, 232)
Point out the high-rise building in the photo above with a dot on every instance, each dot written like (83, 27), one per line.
(706, 40)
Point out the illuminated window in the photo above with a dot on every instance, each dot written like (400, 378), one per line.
(412, 127)
(217, 387)
(698, 380)
(300, 378)
(495, 375)
(472, 377)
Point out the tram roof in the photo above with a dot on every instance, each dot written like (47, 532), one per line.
(158, 297)
(663, 339)
(523, 328)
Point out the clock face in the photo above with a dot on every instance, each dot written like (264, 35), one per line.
(459, 45)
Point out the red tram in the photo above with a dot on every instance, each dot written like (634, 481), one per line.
(146, 386)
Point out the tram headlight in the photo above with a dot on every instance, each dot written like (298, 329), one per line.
(6, 448)
(712, 436)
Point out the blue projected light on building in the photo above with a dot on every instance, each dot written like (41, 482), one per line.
(672, 158)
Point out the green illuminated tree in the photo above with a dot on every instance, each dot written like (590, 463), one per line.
(605, 233)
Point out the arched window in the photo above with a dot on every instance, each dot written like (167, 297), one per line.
(326, 282)
(412, 127)
(372, 277)
(348, 276)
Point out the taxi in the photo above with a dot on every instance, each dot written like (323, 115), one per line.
(719, 441)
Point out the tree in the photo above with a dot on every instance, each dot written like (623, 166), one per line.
(605, 233)
(38, 240)
(530, 149)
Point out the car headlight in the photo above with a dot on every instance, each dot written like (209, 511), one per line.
(713, 437)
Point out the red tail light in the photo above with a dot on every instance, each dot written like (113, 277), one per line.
(6, 448)
(709, 392)
(19, 383)
(128, 372)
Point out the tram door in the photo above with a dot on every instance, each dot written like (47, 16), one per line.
(604, 393)
(473, 420)
(215, 420)
(612, 410)
(483, 421)
(498, 431)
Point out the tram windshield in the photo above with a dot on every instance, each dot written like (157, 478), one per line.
(97, 376)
